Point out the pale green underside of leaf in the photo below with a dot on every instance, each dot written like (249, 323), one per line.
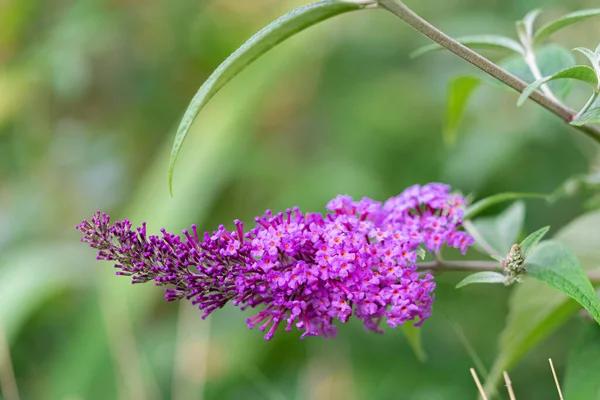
(591, 116)
(535, 309)
(545, 31)
(482, 277)
(529, 243)
(459, 92)
(557, 265)
(528, 21)
(493, 42)
(481, 205)
(579, 72)
(270, 36)
(589, 54)
(581, 379)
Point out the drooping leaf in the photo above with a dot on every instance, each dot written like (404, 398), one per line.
(493, 42)
(579, 72)
(482, 277)
(459, 93)
(581, 379)
(550, 59)
(548, 29)
(481, 205)
(557, 265)
(413, 336)
(529, 243)
(270, 36)
(535, 309)
(591, 116)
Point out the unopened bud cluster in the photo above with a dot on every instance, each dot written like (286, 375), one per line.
(514, 265)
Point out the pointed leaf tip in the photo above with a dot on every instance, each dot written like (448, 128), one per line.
(278, 31)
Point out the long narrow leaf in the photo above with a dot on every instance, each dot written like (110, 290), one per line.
(545, 31)
(479, 206)
(270, 36)
(493, 42)
(581, 73)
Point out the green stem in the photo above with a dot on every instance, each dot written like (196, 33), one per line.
(400, 10)
(587, 105)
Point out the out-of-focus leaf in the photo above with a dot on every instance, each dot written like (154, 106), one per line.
(550, 59)
(29, 276)
(500, 232)
(581, 379)
(459, 93)
(576, 185)
(591, 116)
(494, 42)
(529, 243)
(525, 26)
(413, 336)
(270, 36)
(481, 205)
(579, 72)
(548, 29)
(482, 277)
(589, 54)
(557, 265)
(535, 309)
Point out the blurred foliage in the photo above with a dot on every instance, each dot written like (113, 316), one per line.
(90, 94)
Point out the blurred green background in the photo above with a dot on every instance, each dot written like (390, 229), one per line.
(90, 94)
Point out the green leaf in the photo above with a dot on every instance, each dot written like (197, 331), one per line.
(493, 42)
(413, 336)
(482, 277)
(581, 380)
(481, 205)
(529, 243)
(551, 59)
(270, 36)
(579, 72)
(535, 309)
(591, 116)
(525, 26)
(496, 235)
(555, 264)
(590, 55)
(459, 92)
(545, 31)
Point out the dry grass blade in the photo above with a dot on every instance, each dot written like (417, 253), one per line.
(476, 379)
(511, 393)
(556, 380)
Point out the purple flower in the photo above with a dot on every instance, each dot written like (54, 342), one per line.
(303, 269)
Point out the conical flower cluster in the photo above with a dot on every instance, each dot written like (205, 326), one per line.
(303, 270)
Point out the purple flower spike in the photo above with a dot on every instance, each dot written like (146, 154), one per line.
(304, 270)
